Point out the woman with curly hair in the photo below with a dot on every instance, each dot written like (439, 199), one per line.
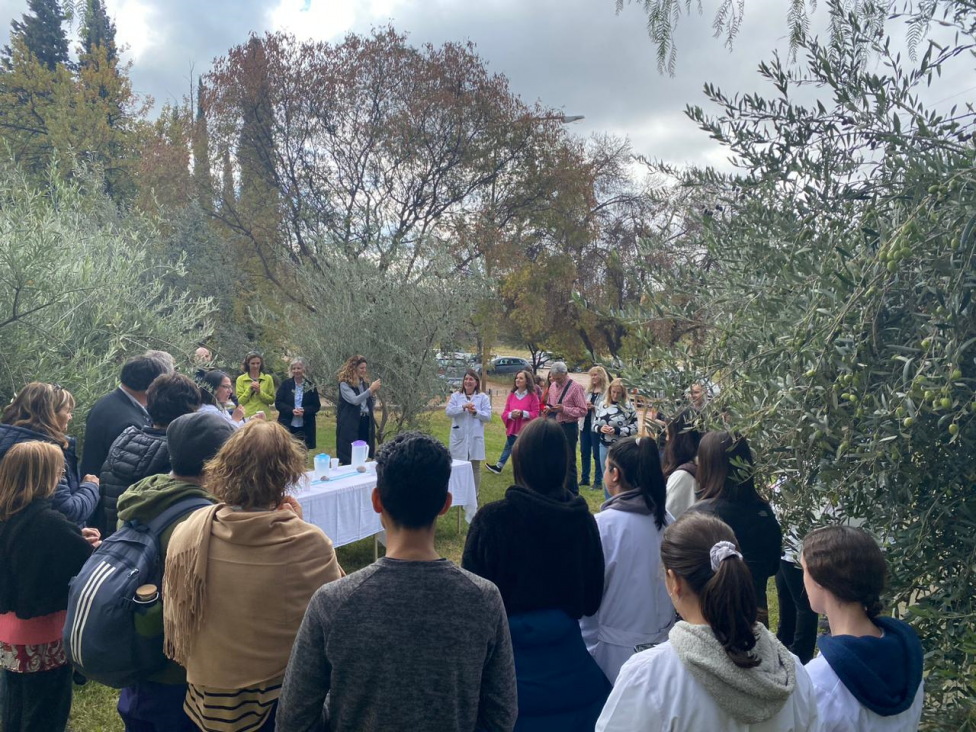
(354, 408)
(43, 412)
(238, 579)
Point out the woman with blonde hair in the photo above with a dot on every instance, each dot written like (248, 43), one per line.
(41, 552)
(238, 579)
(354, 408)
(297, 402)
(614, 419)
(589, 440)
(43, 412)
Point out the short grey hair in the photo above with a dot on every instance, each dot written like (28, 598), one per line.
(295, 362)
(559, 368)
(163, 358)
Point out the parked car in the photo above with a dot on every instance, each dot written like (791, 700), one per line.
(508, 365)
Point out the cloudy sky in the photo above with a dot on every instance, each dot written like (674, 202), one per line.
(579, 56)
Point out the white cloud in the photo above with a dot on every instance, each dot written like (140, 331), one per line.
(325, 20)
(134, 26)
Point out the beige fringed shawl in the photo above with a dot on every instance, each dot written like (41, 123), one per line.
(235, 591)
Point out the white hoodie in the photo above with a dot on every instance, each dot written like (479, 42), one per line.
(657, 692)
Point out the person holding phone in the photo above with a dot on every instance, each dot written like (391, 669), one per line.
(255, 389)
(470, 411)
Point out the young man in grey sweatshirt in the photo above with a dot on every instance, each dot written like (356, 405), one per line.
(412, 641)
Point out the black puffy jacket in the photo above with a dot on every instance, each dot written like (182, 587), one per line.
(136, 454)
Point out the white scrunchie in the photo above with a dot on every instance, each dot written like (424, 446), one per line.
(721, 551)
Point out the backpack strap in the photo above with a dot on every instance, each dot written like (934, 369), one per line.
(179, 509)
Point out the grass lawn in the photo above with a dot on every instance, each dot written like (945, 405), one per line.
(94, 705)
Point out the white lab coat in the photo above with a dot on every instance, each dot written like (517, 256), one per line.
(681, 492)
(655, 692)
(468, 430)
(635, 609)
(841, 712)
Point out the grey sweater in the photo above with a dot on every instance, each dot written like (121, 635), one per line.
(402, 646)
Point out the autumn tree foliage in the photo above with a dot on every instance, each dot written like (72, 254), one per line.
(371, 144)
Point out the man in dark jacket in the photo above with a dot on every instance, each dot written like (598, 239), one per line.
(141, 451)
(156, 704)
(124, 407)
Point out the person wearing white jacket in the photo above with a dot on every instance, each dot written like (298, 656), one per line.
(679, 466)
(470, 411)
(636, 611)
(868, 676)
(720, 669)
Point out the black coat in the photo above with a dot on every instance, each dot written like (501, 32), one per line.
(41, 552)
(107, 420)
(136, 454)
(285, 404)
(347, 425)
(542, 552)
(74, 499)
(758, 533)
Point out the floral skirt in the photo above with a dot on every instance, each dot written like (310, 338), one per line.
(32, 659)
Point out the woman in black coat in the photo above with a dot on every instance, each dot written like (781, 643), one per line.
(727, 485)
(297, 402)
(541, 547)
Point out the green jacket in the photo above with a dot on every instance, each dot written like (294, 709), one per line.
(143, 502)
(253, 402)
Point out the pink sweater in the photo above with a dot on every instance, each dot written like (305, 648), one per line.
(514, 423)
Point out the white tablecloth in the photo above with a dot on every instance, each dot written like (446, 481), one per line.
(343, 509)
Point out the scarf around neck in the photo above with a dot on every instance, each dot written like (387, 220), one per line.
(629, 502)
(213, 556)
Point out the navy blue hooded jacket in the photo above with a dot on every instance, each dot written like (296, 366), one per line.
(74, 499)
(883, 673)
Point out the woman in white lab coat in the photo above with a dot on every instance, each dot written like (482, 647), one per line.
(470, 411)
(719, 669)
(636, 611)
(868, 676)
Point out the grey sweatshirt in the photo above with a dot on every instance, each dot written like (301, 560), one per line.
(749, 696)
(402, 645)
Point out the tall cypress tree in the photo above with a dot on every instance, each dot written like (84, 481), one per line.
(98, 30)
(228, 191)
(255, 151)
(201, 154)
(42, 33)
